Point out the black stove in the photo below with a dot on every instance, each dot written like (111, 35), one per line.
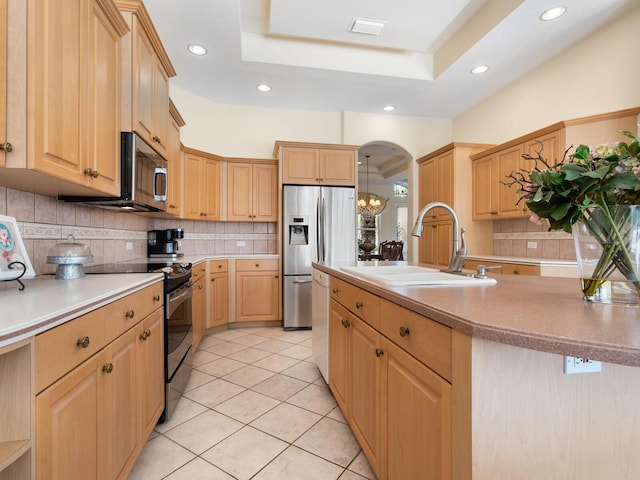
(175, 273)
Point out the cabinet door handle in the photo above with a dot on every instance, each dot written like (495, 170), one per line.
(107, 368)
(257, 265)
(143, 335)
(83, 342)
(7, 147)
(199, 287)
(129, 314)
(379, 352)
(213, 279)
(335, 290)
(346, 323)
(404, 331)
(359, 304)
(156, 298)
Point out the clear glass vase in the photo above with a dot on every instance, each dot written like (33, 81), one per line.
(607, 241)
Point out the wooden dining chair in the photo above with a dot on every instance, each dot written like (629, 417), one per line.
(391, 250)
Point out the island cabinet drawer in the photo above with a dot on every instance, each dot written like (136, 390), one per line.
(247, 265)
(425, 339)
(60, 349)
(123, 314)
(363, 304)
(216, 266)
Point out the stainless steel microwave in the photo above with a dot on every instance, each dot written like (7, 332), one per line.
(143, 179)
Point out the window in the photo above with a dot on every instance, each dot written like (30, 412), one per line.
(401, 189)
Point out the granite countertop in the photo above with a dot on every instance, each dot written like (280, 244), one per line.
(46, 302)
(539, 313)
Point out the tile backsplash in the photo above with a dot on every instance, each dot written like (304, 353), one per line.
(521, 238)
(114, 236)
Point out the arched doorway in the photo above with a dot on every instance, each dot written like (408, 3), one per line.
(387, 177)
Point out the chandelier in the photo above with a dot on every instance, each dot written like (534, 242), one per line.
(370, 204)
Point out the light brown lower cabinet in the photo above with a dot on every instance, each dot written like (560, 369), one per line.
(505, 268)
(93, 422)
(199, 310)
(257, 290)
(399, 409)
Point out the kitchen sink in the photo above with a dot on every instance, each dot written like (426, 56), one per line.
(405, 275)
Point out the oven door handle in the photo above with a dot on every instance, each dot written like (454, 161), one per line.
(184, 292)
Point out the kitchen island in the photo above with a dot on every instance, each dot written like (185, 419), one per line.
(501, 406)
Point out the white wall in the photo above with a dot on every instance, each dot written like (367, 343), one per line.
(242, 131)
(598, 75)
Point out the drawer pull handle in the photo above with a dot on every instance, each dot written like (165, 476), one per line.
(379, 352)
(156, 298)
(359, 304)
(83, 342)
(107, 368)
(335, 290)
(404, 331)
(346, 323)
(145, 334)
(257, 265)
(220, 266)
(7, 147)
(129, 314)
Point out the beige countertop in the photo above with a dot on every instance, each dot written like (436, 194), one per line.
(539, 313)
(46, 302)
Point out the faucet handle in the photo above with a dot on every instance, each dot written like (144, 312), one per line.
(482, 270)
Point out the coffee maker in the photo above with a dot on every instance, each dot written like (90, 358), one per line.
(164, 243)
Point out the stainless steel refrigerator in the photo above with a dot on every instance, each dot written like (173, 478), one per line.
(319, 225)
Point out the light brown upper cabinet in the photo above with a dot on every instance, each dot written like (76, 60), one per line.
(66, 137)
(445, 176)
(201, 185)
(145, 77)
(174, 167)
(317, 164)
(493, 200)
(252, 191)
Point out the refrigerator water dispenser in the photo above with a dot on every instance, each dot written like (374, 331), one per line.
(298, 230)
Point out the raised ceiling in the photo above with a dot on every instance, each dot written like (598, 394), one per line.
(420, 62)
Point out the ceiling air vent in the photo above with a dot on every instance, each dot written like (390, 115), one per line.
(368, 27)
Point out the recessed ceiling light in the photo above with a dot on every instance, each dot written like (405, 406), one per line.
(389, 108)
(197, 49)
(263, 87)
(479, 69)
(552, 13)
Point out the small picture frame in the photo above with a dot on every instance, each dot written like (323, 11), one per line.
(12, 250)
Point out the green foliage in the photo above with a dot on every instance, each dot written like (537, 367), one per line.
(560, 193)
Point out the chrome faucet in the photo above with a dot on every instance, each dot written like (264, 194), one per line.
(458, 253)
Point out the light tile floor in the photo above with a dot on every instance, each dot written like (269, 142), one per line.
(256, 407)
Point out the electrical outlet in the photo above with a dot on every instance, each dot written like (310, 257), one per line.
(532, 244)
(129, 246)
(241, 243)
(581, 365)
